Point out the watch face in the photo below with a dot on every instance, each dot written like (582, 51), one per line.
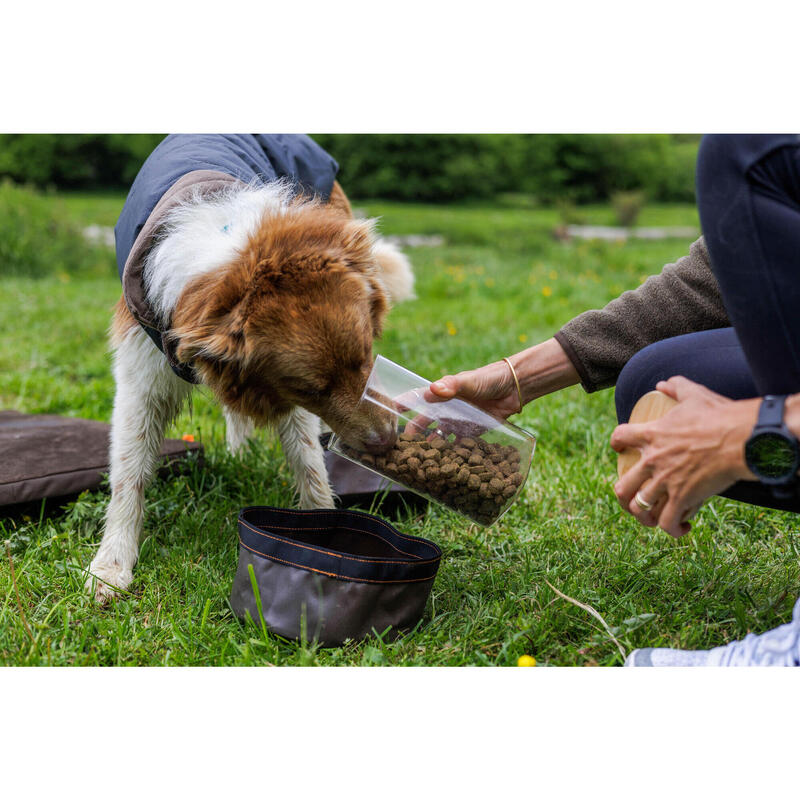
(771, 455)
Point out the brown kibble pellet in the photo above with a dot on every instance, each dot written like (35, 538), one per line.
(476, 477)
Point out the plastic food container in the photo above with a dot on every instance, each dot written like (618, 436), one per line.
(451, 452)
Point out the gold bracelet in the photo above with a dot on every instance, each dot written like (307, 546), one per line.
(516, 383)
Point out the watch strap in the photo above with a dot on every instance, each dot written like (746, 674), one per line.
(770, 415)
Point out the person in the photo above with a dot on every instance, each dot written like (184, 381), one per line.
(718, 331)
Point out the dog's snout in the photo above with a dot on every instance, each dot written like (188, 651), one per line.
(379, 441)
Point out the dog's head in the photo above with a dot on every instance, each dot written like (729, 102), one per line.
(291, 321)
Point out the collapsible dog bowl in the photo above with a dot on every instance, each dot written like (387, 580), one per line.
(451, 452)
(330, 575)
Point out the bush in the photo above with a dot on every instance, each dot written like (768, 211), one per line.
(627, 206)
(412, 167)
(579, 168)
(75, 160)
(36, 238)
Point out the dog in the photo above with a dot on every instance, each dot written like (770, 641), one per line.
(273, 301)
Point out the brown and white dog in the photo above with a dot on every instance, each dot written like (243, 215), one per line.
(275, 303)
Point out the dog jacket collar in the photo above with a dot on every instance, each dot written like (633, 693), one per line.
(183, 164)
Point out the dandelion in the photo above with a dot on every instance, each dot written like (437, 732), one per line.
(523, 337)
(451, 329)
(546, 291)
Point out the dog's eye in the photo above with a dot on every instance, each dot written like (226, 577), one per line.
(311, 394)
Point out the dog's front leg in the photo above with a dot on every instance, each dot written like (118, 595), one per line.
(299, 435)
(148, 396)
(238, 429)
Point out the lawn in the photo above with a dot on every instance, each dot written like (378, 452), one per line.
(499, 282)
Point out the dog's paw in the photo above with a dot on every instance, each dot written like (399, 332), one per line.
(106, 581)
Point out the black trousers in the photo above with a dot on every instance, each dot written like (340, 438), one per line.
(748, 195)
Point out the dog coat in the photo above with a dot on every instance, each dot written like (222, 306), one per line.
(185, 163)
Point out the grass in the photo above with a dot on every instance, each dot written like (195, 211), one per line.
(499, 283)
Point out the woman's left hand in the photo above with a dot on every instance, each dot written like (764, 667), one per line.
(694, 451)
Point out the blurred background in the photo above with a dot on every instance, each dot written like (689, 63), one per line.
(420, 167)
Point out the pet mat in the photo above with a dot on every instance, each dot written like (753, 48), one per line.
(330, 575)
(44, 456)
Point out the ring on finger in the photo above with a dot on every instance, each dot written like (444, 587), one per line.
(642, 503)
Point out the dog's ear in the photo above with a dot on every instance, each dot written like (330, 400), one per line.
(208, 321)
(378, 306)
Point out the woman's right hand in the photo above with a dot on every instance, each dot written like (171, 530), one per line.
(491, 388)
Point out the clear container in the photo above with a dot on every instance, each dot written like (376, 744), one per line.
(450, 451)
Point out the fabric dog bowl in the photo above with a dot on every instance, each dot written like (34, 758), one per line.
(355, 486)
(330, 575)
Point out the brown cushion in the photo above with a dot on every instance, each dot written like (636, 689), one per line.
(49, 456)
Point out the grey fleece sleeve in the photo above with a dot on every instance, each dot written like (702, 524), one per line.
(684, 298)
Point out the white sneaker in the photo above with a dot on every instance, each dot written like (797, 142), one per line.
(776, 648)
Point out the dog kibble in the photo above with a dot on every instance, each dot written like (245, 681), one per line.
(471, 475)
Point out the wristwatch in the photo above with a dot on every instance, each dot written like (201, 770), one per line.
(772, 452)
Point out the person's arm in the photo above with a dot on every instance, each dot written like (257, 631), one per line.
(683, 298)
(540, 370)
(593, 348)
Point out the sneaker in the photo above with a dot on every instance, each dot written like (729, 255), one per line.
(776, 648)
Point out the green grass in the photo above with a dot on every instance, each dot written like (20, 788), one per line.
(499, 283)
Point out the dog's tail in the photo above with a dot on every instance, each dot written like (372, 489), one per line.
(395, 270)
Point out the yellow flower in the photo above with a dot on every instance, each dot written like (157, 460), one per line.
(526, 661)
(451, 329)
(523, 338)
(553, 275)
(546, 291)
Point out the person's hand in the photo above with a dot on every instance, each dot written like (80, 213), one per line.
(491, 388)
(694, 451)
